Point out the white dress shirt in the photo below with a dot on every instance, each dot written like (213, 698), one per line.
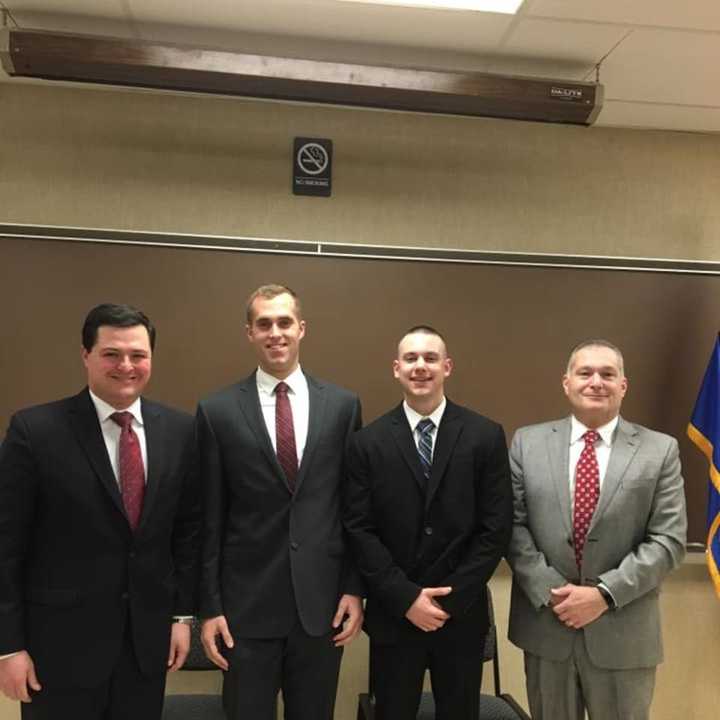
(299, 404)
(111, 435)
(111, 430)
(414, 418)
(603, 446)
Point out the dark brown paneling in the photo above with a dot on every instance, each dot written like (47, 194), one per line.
(117, 61)
(509, 329)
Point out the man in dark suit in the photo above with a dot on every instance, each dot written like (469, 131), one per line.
(599, 523)
(429, 515)
(98, 529)
(276, 585)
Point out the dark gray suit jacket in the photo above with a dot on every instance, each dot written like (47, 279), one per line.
(270, 555)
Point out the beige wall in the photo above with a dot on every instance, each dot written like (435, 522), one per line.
(144, 161)
(203, 164)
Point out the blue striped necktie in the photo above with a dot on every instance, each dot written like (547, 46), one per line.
(425, 442)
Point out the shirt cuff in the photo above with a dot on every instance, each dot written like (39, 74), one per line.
(9, 655)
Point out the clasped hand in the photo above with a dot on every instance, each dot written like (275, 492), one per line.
(577, 605)
(426, 613)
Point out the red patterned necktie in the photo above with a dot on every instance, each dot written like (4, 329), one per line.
(587, 491)
(285, 435)
(131, 473)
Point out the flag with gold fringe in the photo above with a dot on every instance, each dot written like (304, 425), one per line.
(704, 431)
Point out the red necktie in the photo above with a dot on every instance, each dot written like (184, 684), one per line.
(131, 473)
(587, 491)
(285, 435)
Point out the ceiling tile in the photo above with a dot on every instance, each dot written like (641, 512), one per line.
(698, 14)
(666, 67)
(660, 117)
(573, 42)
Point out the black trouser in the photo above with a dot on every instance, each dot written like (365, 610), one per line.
(455, 673)
(305, 668)
(126, 695)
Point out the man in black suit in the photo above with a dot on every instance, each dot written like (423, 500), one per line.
(98, 530)
(276, 590)
(429, 515)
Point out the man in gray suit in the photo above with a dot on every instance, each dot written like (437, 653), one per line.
(599, 522)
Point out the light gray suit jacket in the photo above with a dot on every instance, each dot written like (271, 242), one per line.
(636, 537)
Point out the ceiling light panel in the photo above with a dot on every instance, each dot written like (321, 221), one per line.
(509, 7)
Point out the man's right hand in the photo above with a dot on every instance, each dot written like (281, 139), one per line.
(425, 612)
(17, 677)
(211, 628)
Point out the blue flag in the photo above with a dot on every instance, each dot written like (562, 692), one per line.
(704, 431)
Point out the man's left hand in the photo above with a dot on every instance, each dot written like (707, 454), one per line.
(179, 645)
(350, 607)
(577, 605)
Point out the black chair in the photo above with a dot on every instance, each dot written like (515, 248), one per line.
(499, 706)
(194, 706)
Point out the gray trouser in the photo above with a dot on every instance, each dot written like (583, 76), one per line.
(565, 690)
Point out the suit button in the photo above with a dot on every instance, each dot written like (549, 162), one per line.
(124, 596)
(294, 546)
(131, 554)
(428, 530)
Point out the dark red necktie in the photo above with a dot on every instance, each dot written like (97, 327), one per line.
(587, 492)
(285, 435)
(131, 473)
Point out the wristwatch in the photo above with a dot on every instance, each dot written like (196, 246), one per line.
(183, 620)
(607, 597)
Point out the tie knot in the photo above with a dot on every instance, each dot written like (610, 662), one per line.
(591, 437)
(425, 426)
(123, 419)
(281, 388)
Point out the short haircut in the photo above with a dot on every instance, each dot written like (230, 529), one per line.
(114, 315)
(268, 292)
(425, 330)
(597, 342)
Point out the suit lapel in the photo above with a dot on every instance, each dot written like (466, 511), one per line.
(447, 435)
(317, 402)
(154, 426)
(86, 427)
(400, 429)
(559, 459)
(249, 402)
(625, 445)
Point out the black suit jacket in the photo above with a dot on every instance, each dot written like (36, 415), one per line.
(70, 566)
(269, 555)
(408, 533)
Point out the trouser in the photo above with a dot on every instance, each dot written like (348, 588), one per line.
(126, 695)
(565, 690)
(455, 669)
(303, 667)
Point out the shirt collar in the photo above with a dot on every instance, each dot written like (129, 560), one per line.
(414, 417)
(105, 410)
(577, 430)
(266, 382)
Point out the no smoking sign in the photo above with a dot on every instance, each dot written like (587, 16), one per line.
(312, 166)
